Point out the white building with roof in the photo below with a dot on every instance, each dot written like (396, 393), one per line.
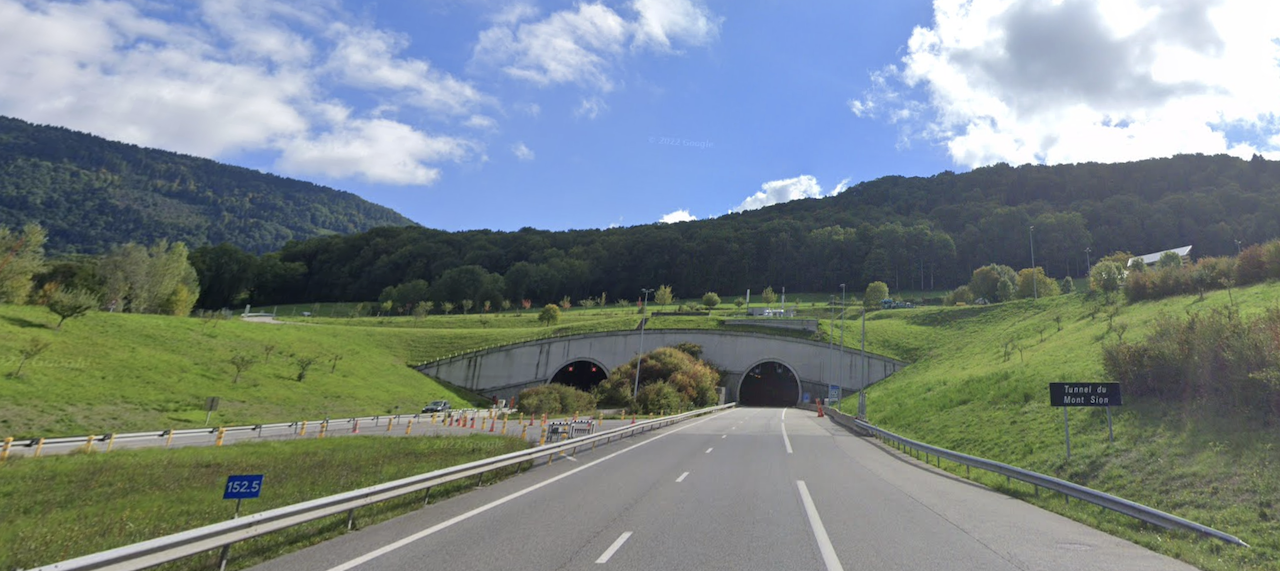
(1151, 259)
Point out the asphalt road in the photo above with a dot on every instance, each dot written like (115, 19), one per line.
(399, 426)
(744, 489)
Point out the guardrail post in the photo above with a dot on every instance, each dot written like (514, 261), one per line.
(111, 442)
(324, 427)
(304, 429)
(4, 451)
(426, 497)
(409, 428)
(351, 519)
(543, 440)
(88, 444)
(389, 423)
(39, 447)
(222, 433)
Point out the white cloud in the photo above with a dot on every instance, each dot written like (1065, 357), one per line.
(591, 107)
(228, 77)
(582, 45)
(522, 152)
(785, 190)
(1086, 80)
(685, 20)
(530, 109)
(481, 122)
(681, 215)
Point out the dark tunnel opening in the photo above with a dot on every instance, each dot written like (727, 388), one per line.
(769, 384)
(581, 375)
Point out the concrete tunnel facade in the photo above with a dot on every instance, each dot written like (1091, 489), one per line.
(505, 371)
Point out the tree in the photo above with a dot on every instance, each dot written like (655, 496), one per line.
(550, 314)
(70, 303)
(21, 257)
(303, 363)
(961, 295)
(467, 305)
(710, 299)
(33, 349)
(242, 363)
(566, 303)
(739, 302)
(267, 350)
(1004, 291)
(985, 282)
(506, 305)
(421, 309)
(1169, 260)
(767, 295)
(488, 305)
(1068, 285)
(334, 360)
(446, 307)
(663, 296)
(224, 273)
(150, 280)
(386, 307)
(876, 291)
(1106, 276)
(1033, 282)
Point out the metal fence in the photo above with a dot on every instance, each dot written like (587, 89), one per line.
(1067, 489)
(180, 545)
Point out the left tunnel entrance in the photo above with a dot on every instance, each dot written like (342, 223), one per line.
(581, 375)
(769, 384)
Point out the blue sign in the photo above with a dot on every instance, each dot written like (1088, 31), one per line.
(243, 487)
(806, 398)
(833, 392)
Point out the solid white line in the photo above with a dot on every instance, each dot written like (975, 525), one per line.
(784, 414)
(571, 458)
(819, 532)
(786, 440)
(724, 436)
(681, 478)
(709, 450)
(459, 518)
(614, 548)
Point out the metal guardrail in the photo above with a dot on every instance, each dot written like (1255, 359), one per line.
(203, 539)
(1102, 499)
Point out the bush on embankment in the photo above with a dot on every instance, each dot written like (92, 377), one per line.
(554, 399)
(692, 380)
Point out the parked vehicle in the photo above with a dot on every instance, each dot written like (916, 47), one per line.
(891, 304)
(437, 406)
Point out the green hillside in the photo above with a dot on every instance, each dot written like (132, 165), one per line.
(965, 393)
(90, 193)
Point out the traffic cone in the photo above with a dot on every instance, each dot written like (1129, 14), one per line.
(633, 418)
(492, 423)
(820, 415)
(356, 428)
(473, 422)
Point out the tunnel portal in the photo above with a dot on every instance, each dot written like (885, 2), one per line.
(581, 375)
(769, 384)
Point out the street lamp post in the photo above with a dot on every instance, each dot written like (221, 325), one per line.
(1087, 265)
(1238, 249)
(635, 392)
(1035, 290)
(843, 310)
(831, 340)
(866, 368)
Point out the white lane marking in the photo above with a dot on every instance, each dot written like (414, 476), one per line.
(709, 450)
(819, 532)
(459, 518)
(784, 414)
(571, 458)
(786, 440)
(724, 436)
(682, 477)
(614, 548)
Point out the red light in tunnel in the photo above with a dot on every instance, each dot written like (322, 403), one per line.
(570, 368)
(593, 368)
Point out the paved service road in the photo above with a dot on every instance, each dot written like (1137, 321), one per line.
(744, 489)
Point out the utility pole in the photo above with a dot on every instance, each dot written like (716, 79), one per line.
(1087, 265)
(1035, 290)
(843, 310)
(831, 340)
(643, 318)
(866, 368)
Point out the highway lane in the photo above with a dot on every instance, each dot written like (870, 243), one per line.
(726, 492)
(369, 426)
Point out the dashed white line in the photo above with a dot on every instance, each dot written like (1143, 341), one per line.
(604, 558)
(786, 440)
(819, 532)
(724, 436)
(709, 450)
(682, 477)
(462, 517)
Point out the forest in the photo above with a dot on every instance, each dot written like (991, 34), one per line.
(920, 233)
(90, 194)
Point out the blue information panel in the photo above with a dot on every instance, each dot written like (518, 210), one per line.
(243, 487)
(833, 392)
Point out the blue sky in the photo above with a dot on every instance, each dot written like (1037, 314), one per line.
(502, 114)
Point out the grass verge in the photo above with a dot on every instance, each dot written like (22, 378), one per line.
(979, 385)
(61, 507)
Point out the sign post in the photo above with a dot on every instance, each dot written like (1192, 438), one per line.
(1084, 394)
(210, 405)
(833, 393)
(239, 488)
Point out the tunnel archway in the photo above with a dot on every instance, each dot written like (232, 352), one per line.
(769, 383)
(581, 374)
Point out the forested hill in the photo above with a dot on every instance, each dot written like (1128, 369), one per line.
(908, 232)
(91, 193)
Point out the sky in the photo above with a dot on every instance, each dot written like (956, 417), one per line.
(503, 114)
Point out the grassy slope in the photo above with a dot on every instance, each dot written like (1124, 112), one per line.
(61, 507)
(962, 394)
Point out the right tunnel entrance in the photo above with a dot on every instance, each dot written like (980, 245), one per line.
(769, 384)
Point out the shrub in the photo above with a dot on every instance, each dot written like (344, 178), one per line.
(550, 314)
(960, 296)
(1137, 287)
(657, 398)
(1068, 285)
(691, 349)
(1169, 260)
(553, 399)
(1004, 291)
(615, 391)
(1271, 259)
(710, 299)
(1106, 276)
(1032, 282)
(1251, 266)
(876, 291)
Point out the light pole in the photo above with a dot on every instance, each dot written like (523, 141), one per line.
(1035, 290)
(866, 367)
(831, 340)
(1237, 247)
(843, 310)
(636, 391)
(1087, 265)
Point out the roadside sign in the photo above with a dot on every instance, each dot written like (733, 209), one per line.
(211, 404)
(243, 487)
(833, 393)
(1084, 394)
